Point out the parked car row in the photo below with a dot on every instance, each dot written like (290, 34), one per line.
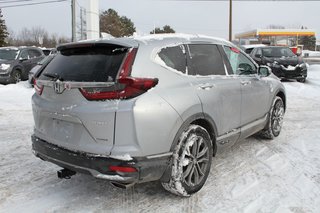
(20, 63)
(160, 107)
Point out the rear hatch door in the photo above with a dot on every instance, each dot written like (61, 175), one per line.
(64, 115)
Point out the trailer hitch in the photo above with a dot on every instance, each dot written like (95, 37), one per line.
(65, 173)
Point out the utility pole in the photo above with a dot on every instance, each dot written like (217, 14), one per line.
(73, 19)
(92, 23)
(230, 20)
(81, 24)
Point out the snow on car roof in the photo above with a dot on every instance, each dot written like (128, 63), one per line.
(180, 37)
(153, 38)
(9, 48)
(253, 45)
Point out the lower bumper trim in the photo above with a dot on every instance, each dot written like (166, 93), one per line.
(147, 169)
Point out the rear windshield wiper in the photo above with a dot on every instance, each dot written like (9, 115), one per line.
(53, 76)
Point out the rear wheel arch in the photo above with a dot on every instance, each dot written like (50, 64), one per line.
(197, 119)
(211, 129)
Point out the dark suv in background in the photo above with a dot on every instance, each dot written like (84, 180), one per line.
(282, 61)
(16, 62)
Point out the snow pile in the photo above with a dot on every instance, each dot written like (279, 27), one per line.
(16, 96)
(309, 53)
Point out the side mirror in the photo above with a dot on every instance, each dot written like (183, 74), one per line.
(22, 59)
(264, 71)
(298, 54)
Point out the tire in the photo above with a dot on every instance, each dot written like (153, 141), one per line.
(16, 76)
(274, 125)
(191, 162)
(301, 80)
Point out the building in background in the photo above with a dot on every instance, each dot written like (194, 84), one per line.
(285, 37)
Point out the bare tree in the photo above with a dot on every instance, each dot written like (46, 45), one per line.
(36, 36)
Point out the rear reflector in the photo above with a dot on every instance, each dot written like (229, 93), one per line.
(37, 88)
(125, 169)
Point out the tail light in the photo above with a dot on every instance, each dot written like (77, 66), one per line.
(125, 169)
(129, 87)
(37, 87)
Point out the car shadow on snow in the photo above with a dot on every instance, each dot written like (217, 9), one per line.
(139, 197)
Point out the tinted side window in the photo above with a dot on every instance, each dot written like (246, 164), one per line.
(259, 52)
(34, 53)
(174, 57)
(248, 50)
(253, 52)
(205, 59)
(240, 64)
(24, 54)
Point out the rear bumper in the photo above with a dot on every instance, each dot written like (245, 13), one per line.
(148, 168)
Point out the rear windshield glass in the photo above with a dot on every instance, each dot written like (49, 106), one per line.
(86, 64)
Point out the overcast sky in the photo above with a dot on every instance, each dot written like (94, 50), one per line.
(200, 17)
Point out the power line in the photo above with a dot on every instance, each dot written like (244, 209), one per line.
(245, 0)
(35, 3)
(8, 1)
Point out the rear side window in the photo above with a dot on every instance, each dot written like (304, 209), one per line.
(174, 57)
(86, 64)
(248, 50)
(24, 54)
(34, 53)
(205, 59)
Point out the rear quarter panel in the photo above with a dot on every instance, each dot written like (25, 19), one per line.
(152, 120)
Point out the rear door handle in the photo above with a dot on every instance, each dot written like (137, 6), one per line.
(244, 83)
(206, 86)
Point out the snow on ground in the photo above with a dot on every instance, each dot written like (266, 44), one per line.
(311, 53)
(282, 175)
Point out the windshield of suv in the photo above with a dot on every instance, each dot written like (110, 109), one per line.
(86, 64)
(8, 54)
(277, 52)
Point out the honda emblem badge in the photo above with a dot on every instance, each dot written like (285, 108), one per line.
(58, 87)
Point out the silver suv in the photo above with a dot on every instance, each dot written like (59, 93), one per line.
(131, 110)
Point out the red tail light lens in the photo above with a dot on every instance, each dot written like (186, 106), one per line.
(37, 87)
(129, 87)
(136, 86)
(132, 87)
(125, 169)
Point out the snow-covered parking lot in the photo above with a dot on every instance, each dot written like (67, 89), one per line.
(282, 175)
